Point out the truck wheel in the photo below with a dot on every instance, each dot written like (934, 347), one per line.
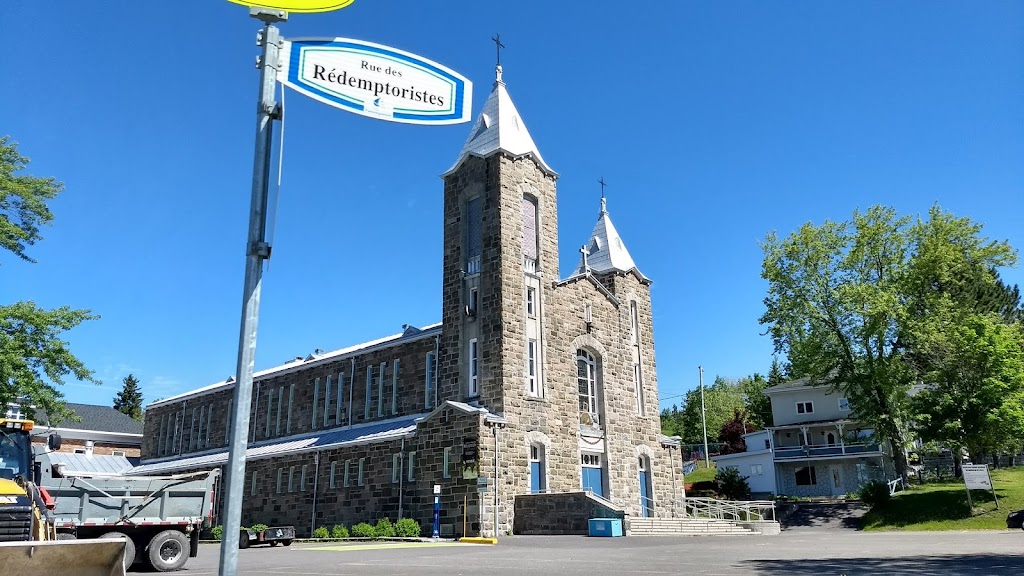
(286, 542)
(168, 551)
(129, 547)
(243, 540)
(273, 543)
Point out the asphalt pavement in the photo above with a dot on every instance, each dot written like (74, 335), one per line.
(796, 553)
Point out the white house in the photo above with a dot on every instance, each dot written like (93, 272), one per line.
(816, 447)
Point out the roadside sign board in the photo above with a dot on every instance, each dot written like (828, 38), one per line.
(296, 5)
(376, 81)
(976, 477)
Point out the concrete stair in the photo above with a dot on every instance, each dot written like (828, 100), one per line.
(683, 527)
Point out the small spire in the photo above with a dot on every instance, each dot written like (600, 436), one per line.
(604, 204)
(497, 67)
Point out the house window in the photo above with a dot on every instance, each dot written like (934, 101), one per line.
(270, 406)
(345, 477)
(120, 453)
(327, 402)
(471, 305)
(341, 398)
(446, 464)
(192, 431)
(806, 477)
(634, 323)
(291, 479)
(394, 386)
(332, 482)
(531, 301)
(529, 232)
(396, 468)
(369, 392)
(412, 467)
(474, 389)
(380, 389)
(844, 405)
(586, 379)
(428, 388)
(302, 479)
(638, 389)
(280, 473)
(474, 236)
(80, 451)
(767, 444)
(316, 402)
(531, 368)
(538, 483)
(291, 402)
(360, 480)
(252, 485)
(756, 469)
(227, 423)
(280, 401)
(804, 407)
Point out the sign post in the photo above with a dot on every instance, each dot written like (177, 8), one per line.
(977, 477)
(437, 510)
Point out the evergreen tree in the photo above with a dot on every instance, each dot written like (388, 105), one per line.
(775, 374)
(129, 399)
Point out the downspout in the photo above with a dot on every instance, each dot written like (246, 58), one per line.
(401, 477)
(437, 369)
(316, 479)
(351, 387)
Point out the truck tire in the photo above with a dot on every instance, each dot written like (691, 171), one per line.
(168, 551)
(243, 539)
(286, 542)
(129, 547)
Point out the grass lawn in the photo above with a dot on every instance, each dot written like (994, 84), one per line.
(943, 506)
(701, 474)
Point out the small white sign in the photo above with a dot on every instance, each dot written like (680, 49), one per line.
(437, 488)
(976, 477)
(376, 81)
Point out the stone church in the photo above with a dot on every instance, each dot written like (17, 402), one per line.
(533, 404)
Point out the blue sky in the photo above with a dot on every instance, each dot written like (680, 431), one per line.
(712, 122)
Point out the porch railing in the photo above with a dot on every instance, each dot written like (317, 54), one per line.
(736, 510)
(782, 453)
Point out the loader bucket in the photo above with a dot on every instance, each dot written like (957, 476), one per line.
(100, 557)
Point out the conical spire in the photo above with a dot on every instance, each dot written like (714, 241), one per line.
(605, 250)
(499, 127)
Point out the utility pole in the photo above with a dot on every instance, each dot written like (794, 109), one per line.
(256, 251)
(703, 418)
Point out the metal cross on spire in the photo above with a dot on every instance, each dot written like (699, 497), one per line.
(585, 252)
(498, 46)
(603, 203)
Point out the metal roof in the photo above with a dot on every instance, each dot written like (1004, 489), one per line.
(362, 434)
(84, 464)
(499, 127)
(605, 249)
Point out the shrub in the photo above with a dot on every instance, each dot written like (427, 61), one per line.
(364, 530)
(217, 532)
(320, 532)
(407, 528)
(875, 494)
(385, 529)
(339, 531)
(731, 485)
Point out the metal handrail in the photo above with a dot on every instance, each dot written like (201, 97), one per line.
(738, 510)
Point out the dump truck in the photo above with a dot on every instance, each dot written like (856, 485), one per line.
(28, 538)
(160, 517)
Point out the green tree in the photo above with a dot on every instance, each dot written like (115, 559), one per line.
(721, 400)
(33, 357)
(843, 297)
(129, 399)
(756, 404)
(975, 394)
(776, 374)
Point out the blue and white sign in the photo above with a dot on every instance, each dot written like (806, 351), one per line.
(376, 81)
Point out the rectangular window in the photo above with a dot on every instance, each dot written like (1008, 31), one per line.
(345, 480)
(192, 431)
(634, 323)
(327, 402)
(291, 402)
(79, 450)
(474, 236)
(120, 453)
(280, 473)
(756, 470)
(412, 467)
(316, 402)
(396, 468)
(428, 385)
(380, 389)
(806, 477)
(291, 479)
(529, 228)
(804, 407)
(202, 420)
(471, 304)
(445, 470)
(474, 388)
(341, 398)
(270, 407)
(394, 387)
(531, 301)
(302, 479)
(844, 405)
(362, 468)
(209, 424)
(280, 402)
(161, 441)
(767, 444)
(334, 466)
(227, 421)
(531, 368)
(369, 392)
(252, 485)
(638, 387)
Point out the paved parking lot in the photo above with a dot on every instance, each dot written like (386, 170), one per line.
(794, 553)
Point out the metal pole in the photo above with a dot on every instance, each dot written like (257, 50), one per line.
(703, 418)
(256, 251)
(496, 480)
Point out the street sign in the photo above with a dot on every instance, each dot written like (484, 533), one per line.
(437, 488)
(296, 5)
(376, 81)
(976, 476)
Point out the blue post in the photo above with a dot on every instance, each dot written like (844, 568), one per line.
(437, 516)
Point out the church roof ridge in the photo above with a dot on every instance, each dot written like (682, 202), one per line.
(499, 127)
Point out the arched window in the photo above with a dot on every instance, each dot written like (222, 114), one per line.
(529, 234)
(586, 378)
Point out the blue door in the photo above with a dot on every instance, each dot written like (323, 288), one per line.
(645, 489)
